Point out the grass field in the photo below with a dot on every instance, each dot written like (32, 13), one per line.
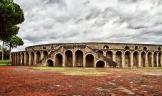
(4, 63)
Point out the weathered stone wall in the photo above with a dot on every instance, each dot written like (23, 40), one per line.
(90, 55)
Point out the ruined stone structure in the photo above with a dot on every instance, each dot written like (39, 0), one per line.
(90, 55)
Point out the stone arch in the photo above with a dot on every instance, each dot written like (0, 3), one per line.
(127, 48)
(100, 64)
(136, 47)
(50, 63)
(100, 53)
(135, 59)
(109, 55)
(159, 59)
(89, 60)
(32, 58)
(79, 58)
(58, 60)
(149, 59)
(38, 55)
(45, 54)
(155, 59)
(143, 59)
(119, 58)
(68, 58)
(22, 58)
(127, 59)
(27, 58)
(144, 48)
(106, 47)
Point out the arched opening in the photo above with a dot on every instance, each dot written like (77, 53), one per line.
(45, 54)
(159, 60)
(119, 58)
(126, 48)
(22, 58)
(155, 59)
(106, 47)
(79, 58)
(32, 58)
(143, 59)
(136, 47)
(127, 59)
(100, 64)
(89, 60)
(149, 59)
(69, 58)
(58, 60)
(100, 53)
(27, 59)
(50, 63)
(109, 57)
(159, 48)
(144, 48)
(38, 57)
(135, 59)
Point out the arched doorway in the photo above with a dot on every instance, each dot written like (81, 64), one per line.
(109, 57)
(155, 59)
(27, 58)
(50, 63)
(58, 60)
(119, 58)
(89, 60)
(45, 54)
(127, 59)
(69, 58)
(38, 57)
(143, 59)
(100, 53)
(135, 59)
(32, 58)
(149, 59)
(79, 58)
(159, 60)
(100, 64)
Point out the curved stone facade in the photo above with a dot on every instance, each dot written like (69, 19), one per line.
(90, 55)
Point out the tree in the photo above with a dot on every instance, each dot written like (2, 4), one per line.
(14, 41)
(10, 15)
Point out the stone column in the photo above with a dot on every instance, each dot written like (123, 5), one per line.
(30, 63)
(95, 60)
(160, 60)
(157, 59)
(139, 59)
(123, 59)
(104, 54)
(20, 55)
(24, 58)
(64, 60)
(152, 59)
(146, 60)
(73, 58)
(131, 59)
(114, 56)
(35, 58)
(42, 55)
(84, 60)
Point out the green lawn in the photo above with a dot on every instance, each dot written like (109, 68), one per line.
(4, 63)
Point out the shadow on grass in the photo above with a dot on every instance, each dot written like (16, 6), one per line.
(5, 63)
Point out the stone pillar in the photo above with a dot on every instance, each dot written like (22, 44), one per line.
(139, 59)
(95, 61)
(24, 58)
(64, 60)
(114, 56)
(30, 63)
(157, 59)
(74, 59)
(35, 58)
(152, 59)
(146, 60)
(84, 60)
(123, 59)
(160, 60)
(104, 54)
(131, 59)
(20, 59)
(42, 55)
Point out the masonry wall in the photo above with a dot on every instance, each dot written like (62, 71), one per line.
(90, 55)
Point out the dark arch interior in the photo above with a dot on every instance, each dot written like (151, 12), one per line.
(106, 47)
(100, 64)
(27, 59)
(22, 58)
(149, 59)
(135, 59)
(145, 48)
(38, 57)
(126, 48)
(127, 59)
(159, 60)
(45, 54)
(155, 59)
(50, 63)
(32, 58)
(58, 60)
(119, 58)
(89, 60)
(100, 53)
(79, 58)
(69, 58)
(143, 59)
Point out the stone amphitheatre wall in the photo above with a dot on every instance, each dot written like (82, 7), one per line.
(90, 55)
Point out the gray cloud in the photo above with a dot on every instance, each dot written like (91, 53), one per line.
(50, 21)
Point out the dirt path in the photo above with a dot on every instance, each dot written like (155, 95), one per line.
(24, 81)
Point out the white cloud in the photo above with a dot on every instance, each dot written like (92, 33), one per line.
(50, 21)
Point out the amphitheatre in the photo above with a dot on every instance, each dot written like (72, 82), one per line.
(90, 54)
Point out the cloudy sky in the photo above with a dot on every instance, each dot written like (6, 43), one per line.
(50, 21)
